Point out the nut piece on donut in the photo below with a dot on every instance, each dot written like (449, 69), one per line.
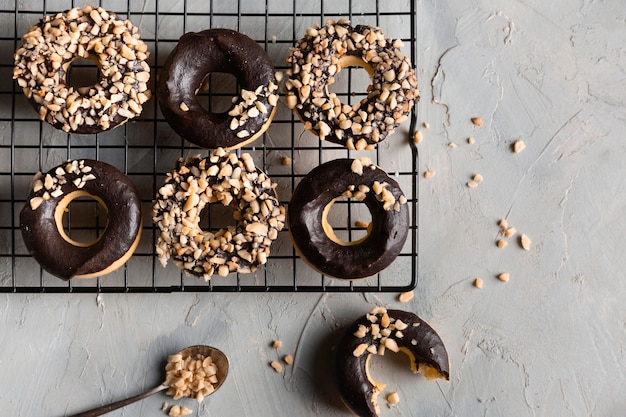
(231, 181)
(313, 236)
(218, 50)
(373, 334)
(41, 219)
(50, 47)
(321, 54)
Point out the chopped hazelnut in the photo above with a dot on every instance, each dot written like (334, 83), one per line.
(509, 231)
(276, 366)
(504, 276)
(393, 398)
(405, 296)
(518, 146)
(524, 242)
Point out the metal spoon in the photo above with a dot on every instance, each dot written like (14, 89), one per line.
(219, 359)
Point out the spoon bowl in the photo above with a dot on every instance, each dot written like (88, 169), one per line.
(220, 360)
(218, 357)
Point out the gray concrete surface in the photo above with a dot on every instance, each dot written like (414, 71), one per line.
(550, 342)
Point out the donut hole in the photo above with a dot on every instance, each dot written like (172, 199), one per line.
(216, 216)
(217, 92)
(346, 221)
(352, 80)
(390, 366)
(83, 73)
(84, 219)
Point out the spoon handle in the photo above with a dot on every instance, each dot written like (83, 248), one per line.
(119, 404)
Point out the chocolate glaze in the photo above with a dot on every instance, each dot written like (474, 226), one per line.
(384, 242)
(419, 340)
(65, 260)
(195, 56)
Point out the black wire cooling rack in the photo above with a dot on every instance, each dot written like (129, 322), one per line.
(146, 148)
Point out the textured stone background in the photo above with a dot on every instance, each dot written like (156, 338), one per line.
(550, 342)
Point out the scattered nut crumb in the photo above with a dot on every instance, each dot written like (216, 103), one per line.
(426, 125)
(478, 283)
(471, 184)
(393, 398)
(504, 277)
(501, 243)
(277, 366)
(452, 145)
(286, 160)
(477, 121)
(164, 406)
(429, 174)
(509, 231)
(524, 242)
(277, 344)
(503, 223)
(178, 411)
(405, 296)
(183, 106)
(417, 137)
(518, 146)
(288, 359)
(274, 38)
(361, 225)
(478, 178)
(471, 140)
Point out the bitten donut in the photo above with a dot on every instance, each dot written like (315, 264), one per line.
(226, 179)
(373, 334)
(321, 54)
(218, 50)
(49, 48)
(41, 219)
(313, 236)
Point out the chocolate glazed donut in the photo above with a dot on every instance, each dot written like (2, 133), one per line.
(315, 239)
(42, 216)
(218, 50)
(313, 65)
(49, 48)
(373, 334)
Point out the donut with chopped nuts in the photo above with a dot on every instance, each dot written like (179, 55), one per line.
(44, 59)
(321, 54)
(218, 50)
(221, 178)
(41, 219)
(315, 239)
(373, 334)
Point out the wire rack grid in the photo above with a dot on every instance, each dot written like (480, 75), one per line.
(146, 148)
